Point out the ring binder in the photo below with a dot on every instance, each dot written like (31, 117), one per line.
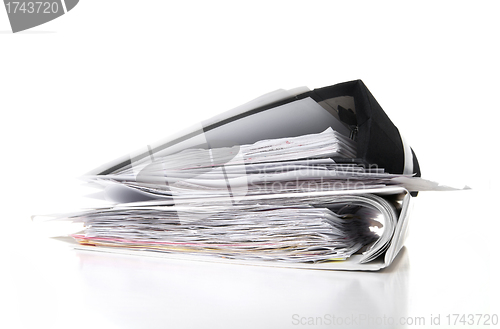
(278, 181)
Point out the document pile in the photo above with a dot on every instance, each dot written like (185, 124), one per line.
(313, 179)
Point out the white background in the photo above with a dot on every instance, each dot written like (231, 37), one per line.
(112, 76)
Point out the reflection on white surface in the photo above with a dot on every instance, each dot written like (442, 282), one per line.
(452, 251)
(133, 292)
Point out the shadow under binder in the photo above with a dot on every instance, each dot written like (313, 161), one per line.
(156, 289)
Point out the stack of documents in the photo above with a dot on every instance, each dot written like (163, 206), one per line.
(290, 165)
(262, 232)
(300, 200)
